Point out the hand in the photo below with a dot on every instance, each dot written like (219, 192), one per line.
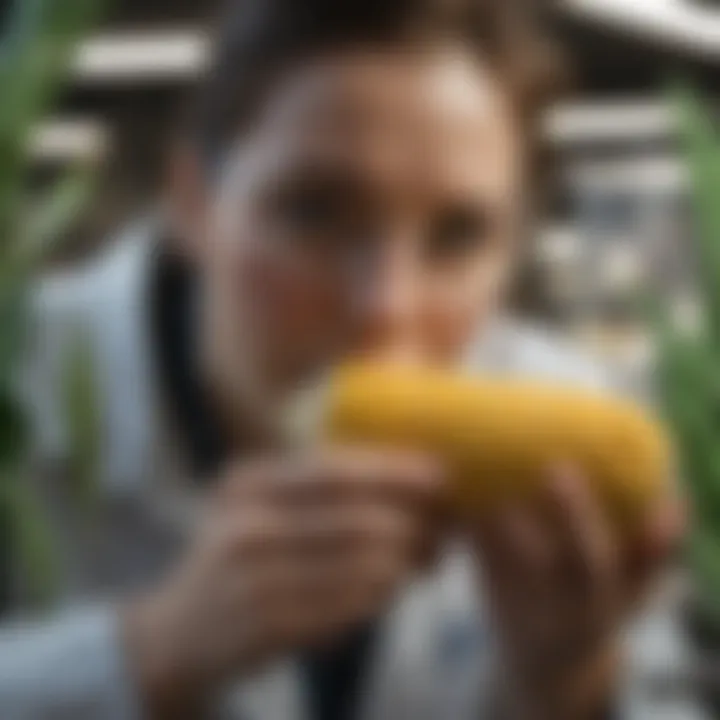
(561, 586)
(292, 552)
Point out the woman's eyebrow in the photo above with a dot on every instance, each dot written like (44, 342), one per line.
(313, 172)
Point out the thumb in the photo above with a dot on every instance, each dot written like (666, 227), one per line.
(658, 540)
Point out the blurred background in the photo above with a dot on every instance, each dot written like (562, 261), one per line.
(620, 217)
(618, 198)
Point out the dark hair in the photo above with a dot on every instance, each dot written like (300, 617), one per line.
(258, 39)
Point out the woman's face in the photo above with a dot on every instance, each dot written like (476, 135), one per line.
(370, 210)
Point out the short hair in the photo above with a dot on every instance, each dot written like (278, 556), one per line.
(259, 39)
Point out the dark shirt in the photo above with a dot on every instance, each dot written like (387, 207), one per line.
(333, 677)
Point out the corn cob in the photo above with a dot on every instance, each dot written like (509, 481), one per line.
(498, 436)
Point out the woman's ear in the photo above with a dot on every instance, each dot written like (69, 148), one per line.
(186, 199)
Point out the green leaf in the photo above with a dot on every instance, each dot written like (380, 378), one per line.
(43, 228)
(34, 60)
(703, 152)
(14, 431)
(689, 367)
(703, 552)
(690, 394)
(45, 225)
(32, 541)
(13, 326)
(84, 422)
(35, 56)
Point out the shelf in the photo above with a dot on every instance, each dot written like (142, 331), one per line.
(610, 121)
(142, 57)
(663, 174)
(69, 140)
(677, 24)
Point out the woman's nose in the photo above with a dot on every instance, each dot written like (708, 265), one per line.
(387, 306)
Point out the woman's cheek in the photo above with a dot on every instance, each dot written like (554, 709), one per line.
(298, 315)
(457, 311)
(450, 332)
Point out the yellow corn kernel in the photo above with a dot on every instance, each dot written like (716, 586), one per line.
(498, 437)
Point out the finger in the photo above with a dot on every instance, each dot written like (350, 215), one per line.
(304, 533)
(432, 541)
(348, 473)
(517, 549)
(355, 473)
(246, 532)
(519, 569)
(663, 530)
(331, 587)
(312, 620)
(588, 546)
(361, 527)
(660, 536)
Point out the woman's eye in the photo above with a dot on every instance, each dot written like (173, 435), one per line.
(313, 211)
(458, 233)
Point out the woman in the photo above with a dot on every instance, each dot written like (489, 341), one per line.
(355, 183)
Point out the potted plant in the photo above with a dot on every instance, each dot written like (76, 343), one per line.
(35, 54)
(689, 383)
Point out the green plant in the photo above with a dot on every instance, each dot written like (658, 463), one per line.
(35, 54)
(689, 367)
